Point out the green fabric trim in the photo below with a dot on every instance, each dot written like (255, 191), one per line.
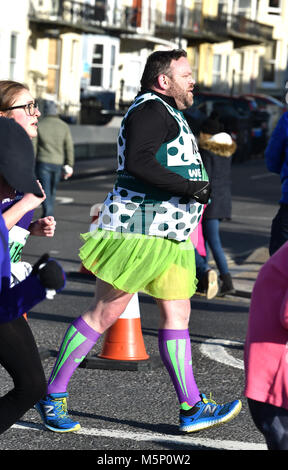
(64, 354)
(171, 348)
(181, 360)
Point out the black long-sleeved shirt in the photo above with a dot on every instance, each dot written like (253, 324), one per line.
(147, 128)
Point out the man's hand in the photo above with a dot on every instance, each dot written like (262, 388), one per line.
(67, 172)
(202, 192)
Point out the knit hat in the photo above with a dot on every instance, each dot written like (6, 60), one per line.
(212, 125)
(50, 108)
(222, 138)
(17, 158)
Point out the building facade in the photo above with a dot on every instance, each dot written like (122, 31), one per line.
(91, 53)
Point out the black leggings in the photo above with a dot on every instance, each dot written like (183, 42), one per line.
(272, 422)
(19, 356)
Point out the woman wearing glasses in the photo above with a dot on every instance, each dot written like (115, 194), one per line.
(16, 102)
(18, 351)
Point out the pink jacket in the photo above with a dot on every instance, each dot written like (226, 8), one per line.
(197, 238)
(266, 347)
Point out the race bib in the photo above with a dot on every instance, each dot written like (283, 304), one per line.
(17, 240)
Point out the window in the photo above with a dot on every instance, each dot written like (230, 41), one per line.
(222, 7)
(100, 62)
(269, 63)
(274, 7)
(243, 8)
(195, 63)
(54, 8)
(100, 10)
(74, 55)
(171, 11)
(240, 74)
(13, 54)
(54, 53)
(97, 66)
(216, 73)
(137, 13)
(112, 65)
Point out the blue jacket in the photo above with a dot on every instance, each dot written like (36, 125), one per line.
(19, 299)
(276, 154)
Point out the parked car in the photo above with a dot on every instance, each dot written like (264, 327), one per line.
(275, 108)
(240, 116)
(97, 107)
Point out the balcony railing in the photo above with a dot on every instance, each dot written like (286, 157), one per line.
(189, 23)
(193, 24)
(184, 19)
(243, 26)
(70, 12)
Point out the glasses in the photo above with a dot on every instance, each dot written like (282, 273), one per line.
(29, 108)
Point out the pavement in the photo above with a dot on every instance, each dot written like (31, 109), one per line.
(92, 140)
(245, 273)
(99, 142)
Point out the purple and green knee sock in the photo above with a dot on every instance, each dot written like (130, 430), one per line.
(174, 347)
(175, 352)
(79, 339)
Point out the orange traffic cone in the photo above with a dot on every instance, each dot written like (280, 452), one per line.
(124, 340)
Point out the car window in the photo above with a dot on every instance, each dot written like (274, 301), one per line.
(242, 106)
(223, 106)
(261, 103)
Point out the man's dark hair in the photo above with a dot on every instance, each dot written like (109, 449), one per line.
(157, 63)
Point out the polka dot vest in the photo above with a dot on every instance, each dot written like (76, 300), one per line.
(136, 207)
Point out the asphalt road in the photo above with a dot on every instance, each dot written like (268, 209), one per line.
(137, 410)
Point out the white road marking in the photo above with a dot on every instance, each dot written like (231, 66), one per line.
(64, 200)
(157, 437)
(261, 175)
(252, 217)
(214, 348)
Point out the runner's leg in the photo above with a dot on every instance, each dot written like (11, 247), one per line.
(175, 349)
(81, 336)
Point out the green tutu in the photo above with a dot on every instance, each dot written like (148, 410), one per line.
(162, 268)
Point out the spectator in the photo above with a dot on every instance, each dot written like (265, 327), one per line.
(276, 156)
(216, 149)
(207, 277)
(54, 150)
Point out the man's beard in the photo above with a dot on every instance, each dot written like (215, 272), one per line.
(184, 99)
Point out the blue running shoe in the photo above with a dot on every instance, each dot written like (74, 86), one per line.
(206, 414)
(53, 411)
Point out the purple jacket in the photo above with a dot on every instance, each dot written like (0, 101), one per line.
(15, 301)
(26, 220)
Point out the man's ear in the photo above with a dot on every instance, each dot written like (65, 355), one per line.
(163, 81)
